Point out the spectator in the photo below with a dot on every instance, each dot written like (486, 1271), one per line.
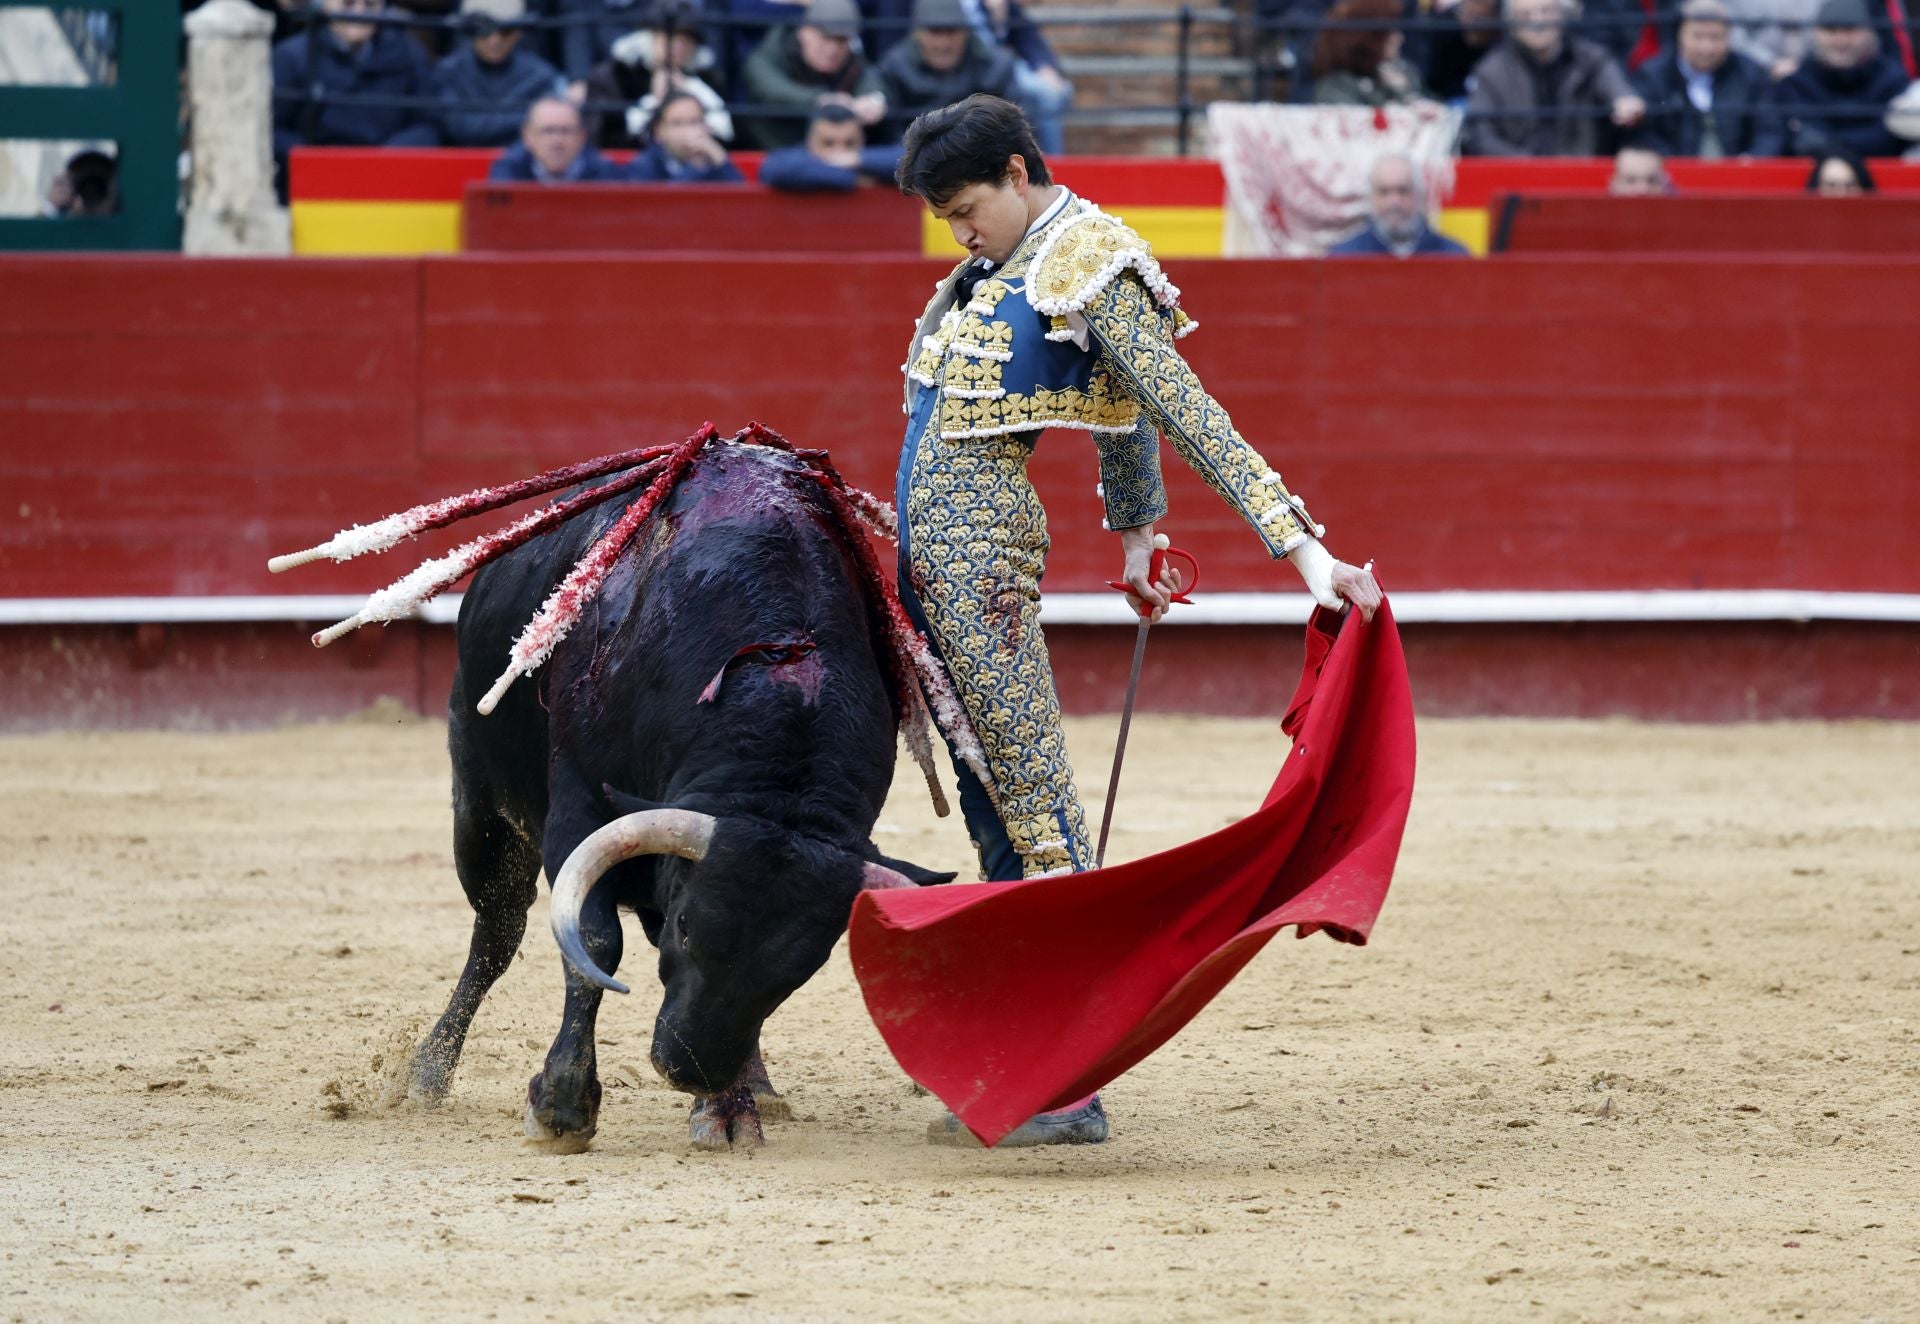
(1840, 175)
(1774, 34)
(834, 158)
(489, 83)
(1395, 225)
(800, 67)
(1361, 65)
(683, 149)
(352, 58)
(1838, 97)
(553, 149)
(589, 42)
(946, 61)
(668, 55)
(89, 186)
(1903, 118)
(756, 20)
(1467, 32)
(1639, 172)
(1542, 92)
(1702, 96)
(1040, 84)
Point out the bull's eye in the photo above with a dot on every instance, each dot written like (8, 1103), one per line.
(681, 924)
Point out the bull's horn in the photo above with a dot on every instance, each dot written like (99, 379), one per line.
(650, 832)
(878, 876)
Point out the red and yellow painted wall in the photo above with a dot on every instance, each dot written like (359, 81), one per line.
(353, 202)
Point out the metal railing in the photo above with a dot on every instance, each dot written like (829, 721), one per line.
(1267, 50)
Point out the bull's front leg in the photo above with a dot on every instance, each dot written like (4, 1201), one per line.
(734, 1116)
(563, 1100)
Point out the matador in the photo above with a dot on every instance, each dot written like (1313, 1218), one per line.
(1059, 317)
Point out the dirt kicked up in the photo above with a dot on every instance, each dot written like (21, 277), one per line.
(1638, 1038)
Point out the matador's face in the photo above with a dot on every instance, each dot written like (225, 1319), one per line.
(988, 220)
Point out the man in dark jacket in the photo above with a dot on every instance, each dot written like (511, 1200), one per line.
(798, 68)
(585, 44)
(553, 149)
(1041, 84)
(1544, 92)
(1838, 96)
(835, 158)
(352, 59)
(946, 61)
(1396, 226)
(490, 81)
(1703, 97)
(681, 148)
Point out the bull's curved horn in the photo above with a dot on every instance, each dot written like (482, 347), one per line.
(650, 832)
(875, 877)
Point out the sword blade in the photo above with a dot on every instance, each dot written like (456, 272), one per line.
(1120, 746)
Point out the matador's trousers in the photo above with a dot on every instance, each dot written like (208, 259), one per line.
(973, 546)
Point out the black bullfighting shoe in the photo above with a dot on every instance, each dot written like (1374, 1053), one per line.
(1085, 1125)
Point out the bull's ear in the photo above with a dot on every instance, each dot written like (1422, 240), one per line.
(629, 804)
(919, 876)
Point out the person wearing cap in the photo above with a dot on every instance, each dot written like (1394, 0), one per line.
(1838, 97)
(1703, 97)
(1041, 85)
(834, 158)
(669, 55)
(1058, 318)
(349, 62)
(1545, 92)
(490, 81)
(946, 61)
(798, 68)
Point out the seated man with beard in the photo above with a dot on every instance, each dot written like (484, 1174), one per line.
(1396, 227)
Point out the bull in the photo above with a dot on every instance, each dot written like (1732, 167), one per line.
(708, 747)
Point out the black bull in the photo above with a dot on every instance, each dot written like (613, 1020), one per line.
(743, 578)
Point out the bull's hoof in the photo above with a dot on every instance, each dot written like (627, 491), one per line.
(1075, 1126)
(559, 1128)
(724, 1121)
(772, 1107)
(429, 1077)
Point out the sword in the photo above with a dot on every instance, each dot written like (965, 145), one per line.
(1162, 549)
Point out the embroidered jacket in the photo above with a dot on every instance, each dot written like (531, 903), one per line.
(1076, 330)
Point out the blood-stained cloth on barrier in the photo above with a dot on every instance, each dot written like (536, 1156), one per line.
(1008, 999)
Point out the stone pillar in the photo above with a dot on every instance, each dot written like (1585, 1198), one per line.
(231, 206)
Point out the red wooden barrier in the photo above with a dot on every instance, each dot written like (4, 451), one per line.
(1536, 423)
(718, 218)
(1715, 223)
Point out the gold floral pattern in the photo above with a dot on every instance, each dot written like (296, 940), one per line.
(1136, 342)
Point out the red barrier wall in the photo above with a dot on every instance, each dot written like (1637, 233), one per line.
(719, 218)
(1569, 423)
(1717, 223)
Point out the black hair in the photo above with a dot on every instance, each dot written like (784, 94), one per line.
(832, 112)
(969, 142)
(1852, 162)
(669, 100)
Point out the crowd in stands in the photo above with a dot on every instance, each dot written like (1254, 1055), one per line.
(1549, 78)
(638, 74)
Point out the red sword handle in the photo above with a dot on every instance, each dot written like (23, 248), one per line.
(1156, 565)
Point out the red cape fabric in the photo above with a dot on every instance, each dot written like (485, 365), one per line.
(1009, 999)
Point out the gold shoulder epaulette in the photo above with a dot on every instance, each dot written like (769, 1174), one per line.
(1081, 257)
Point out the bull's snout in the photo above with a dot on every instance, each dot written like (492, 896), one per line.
(702, 1065)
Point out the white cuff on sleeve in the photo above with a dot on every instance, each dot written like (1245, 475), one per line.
(1315, 564)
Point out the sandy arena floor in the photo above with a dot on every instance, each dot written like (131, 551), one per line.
(1636, 1040)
